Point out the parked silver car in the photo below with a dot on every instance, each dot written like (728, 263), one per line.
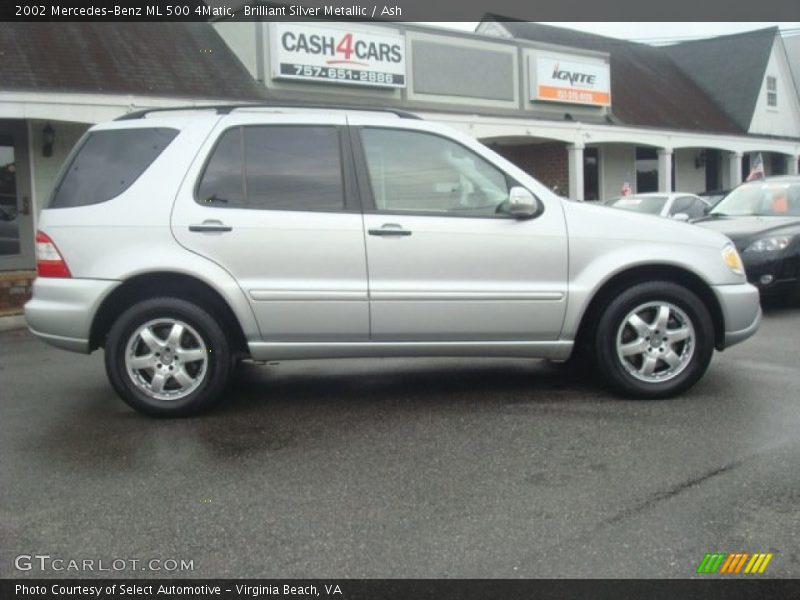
(181, 241)
(675, 205)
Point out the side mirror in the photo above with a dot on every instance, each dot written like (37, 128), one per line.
(682, 217)
(521, 203)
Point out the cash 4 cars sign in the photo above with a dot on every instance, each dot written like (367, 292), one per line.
(555, 79)
(348, 56)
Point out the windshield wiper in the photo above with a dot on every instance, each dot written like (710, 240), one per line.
(717, 214)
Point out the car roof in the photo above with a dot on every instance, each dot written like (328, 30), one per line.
(184, 116)
(225, 109)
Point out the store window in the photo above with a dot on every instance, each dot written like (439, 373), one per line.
(777, 164)
(646, 170)
(591, 174)
(9, 223)
(772, 91)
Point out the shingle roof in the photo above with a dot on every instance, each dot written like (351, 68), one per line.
(730, 69)
(647, 88)
(154, 59)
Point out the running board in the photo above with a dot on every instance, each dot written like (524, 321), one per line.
(555, 350)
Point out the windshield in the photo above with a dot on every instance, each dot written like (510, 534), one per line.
(764, 199)
(651, 205)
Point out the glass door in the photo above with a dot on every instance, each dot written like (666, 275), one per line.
(16, 221)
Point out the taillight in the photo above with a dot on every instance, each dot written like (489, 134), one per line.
(49, 262)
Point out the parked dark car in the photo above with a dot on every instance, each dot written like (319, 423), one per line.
(762, 218)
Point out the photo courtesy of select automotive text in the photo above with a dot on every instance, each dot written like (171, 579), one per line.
(402, 300)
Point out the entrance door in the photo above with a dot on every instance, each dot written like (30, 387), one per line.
(16, 220)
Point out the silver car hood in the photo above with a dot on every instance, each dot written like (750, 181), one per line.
(589, 220)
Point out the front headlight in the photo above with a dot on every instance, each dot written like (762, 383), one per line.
(732, 259)
(769, 244)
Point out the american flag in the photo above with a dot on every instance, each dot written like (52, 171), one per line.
(757, 170)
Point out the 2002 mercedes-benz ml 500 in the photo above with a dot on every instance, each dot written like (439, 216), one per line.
(183, 241)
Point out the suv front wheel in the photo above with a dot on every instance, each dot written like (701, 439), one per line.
(167, 357)
(654, 340)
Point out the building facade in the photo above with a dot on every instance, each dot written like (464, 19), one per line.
(584, 114)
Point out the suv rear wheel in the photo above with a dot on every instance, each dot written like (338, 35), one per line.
(167, 357)
(654, 340)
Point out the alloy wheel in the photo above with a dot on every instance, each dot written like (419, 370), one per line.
(655, 342)
(166, 359)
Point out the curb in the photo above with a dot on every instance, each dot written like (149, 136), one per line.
(12, 322)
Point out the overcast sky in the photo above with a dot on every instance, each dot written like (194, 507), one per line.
(655, 32)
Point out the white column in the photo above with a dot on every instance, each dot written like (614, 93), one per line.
(791, 164)
(575, 164)
(664, 169)
(734, 169)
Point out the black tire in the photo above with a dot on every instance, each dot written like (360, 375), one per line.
(694, 359)
(208, 375)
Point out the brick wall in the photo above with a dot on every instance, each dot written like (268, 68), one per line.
(15, 291)
(546, 162)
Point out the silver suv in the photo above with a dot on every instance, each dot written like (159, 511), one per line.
(183, 241)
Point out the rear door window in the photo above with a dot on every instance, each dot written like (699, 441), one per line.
(106, 163)
(275, 167)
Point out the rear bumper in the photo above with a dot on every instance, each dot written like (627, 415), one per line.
(61, 311)
(741, 311)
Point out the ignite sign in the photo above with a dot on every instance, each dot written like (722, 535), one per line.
(557, 80)
(347, 56)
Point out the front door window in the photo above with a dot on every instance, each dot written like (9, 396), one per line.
(420, 173)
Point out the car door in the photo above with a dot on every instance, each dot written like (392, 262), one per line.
(272, 200)
(444, 262)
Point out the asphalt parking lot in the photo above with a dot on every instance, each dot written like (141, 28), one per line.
(406, 468)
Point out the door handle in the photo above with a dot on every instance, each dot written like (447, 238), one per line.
(389, 229)
(211, 226)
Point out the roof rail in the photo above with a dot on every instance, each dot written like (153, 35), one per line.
(224, 109)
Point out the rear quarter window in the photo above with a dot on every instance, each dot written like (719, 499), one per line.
(106, 163)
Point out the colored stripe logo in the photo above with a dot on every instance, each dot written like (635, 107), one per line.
(734, 563)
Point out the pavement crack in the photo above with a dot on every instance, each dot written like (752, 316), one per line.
(673, 491)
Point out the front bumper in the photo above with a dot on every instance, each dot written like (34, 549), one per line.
(741, 311)
(61, 311)
(773, 275)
